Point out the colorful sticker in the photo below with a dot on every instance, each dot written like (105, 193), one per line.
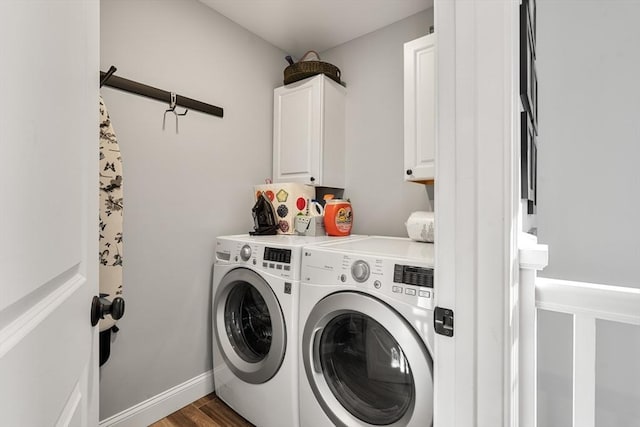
(269, 195)
(282, 211)
(284, 226)
(301, 203)
(282, 196)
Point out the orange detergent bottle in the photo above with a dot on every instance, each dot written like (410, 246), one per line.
(338, 217)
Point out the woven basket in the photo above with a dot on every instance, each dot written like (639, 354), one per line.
(303, 69)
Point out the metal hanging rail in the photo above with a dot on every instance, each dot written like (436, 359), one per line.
(108, 79)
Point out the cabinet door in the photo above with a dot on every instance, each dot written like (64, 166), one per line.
(420, 108)
(296, 133)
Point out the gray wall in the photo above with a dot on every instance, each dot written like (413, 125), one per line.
(589, 145)
(181, 191)
(372, 66)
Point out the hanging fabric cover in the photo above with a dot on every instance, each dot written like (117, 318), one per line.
(110, 227)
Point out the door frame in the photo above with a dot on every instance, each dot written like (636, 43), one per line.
(477, 211)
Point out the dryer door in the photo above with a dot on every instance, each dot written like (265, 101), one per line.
(249, 326)
(366, 364)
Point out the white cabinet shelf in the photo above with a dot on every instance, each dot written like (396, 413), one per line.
(420, 109)
(309, 132)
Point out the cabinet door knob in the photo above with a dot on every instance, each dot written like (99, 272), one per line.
(409, 172)
(312, 179)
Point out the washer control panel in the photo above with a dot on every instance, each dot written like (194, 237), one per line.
(274, 260)
(277, 255)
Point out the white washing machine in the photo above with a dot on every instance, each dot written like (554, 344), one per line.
(366, 334)
(256, 281)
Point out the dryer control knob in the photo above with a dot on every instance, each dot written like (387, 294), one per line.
(245, 252)
(360, 271)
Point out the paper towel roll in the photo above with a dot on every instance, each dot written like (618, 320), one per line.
(420, 226)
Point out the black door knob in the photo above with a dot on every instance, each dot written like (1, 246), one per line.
(409, 172)
(101, 306)
(312, 179)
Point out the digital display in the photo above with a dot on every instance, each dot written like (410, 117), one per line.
(416, 276)
(277, 255)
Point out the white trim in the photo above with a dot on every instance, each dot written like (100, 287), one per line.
(71, 408)
(15, 331)
(446, 378)
(532, 255)
(527, 350)
(614, 303)
(511, 57)
(163, 404)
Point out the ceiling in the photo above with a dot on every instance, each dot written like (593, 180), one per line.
(296, 26)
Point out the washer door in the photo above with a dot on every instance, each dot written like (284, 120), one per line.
(365, 363)
(250, 326)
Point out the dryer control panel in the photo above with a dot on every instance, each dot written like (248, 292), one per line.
(410, 275)
(398, 279)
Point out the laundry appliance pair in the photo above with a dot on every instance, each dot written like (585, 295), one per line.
(324, 331)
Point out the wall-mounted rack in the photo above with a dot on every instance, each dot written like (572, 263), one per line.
(108, 79)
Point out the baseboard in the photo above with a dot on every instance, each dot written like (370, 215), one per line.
(163, 404)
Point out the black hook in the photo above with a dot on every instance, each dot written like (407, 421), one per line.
(108, 75)
(172, 109)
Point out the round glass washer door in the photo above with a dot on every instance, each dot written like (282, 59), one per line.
(249, 326)
(365, 363)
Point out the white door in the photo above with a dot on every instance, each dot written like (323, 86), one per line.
(48, 215)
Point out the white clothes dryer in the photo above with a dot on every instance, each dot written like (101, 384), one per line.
(256, 281)
(366, 335)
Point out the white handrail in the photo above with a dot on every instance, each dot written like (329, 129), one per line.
(587, 302)
(606, 302)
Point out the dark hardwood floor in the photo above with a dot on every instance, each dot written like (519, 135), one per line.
(208, 411)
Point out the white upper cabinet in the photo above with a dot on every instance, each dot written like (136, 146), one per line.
(420, 109)
(309, 132)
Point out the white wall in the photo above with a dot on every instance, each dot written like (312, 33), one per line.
(372, 67)
(588, 206)
(181, 191)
